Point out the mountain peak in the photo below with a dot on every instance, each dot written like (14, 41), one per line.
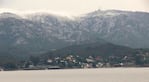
(106, 13)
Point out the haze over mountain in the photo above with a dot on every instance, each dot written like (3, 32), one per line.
(38, 33)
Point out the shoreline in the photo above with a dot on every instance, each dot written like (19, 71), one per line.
(110, 68)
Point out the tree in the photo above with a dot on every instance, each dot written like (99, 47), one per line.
(34, 60)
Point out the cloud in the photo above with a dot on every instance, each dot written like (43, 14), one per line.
(5, 2)
(2, 2)
(146, 4)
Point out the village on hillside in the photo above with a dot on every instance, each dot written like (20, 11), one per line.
(76, 61)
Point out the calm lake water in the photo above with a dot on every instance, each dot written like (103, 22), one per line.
(78, 75)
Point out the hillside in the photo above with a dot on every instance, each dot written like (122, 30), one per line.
(39, 33)
(93, 49)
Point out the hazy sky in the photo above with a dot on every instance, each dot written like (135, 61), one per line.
(73, 7)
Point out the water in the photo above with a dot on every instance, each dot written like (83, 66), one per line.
(78, 75)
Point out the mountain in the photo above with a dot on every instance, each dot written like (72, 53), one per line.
(38, 33)
(119, 27)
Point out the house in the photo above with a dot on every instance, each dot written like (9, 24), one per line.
(89, 60)
(98, 65)
(49, 60)
(87, 65)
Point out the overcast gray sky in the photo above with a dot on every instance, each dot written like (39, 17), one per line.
(73, 7)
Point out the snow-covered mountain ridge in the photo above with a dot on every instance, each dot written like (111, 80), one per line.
(41, 32)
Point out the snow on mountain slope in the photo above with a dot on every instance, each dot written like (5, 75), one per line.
(119, 27)
(40, 32)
